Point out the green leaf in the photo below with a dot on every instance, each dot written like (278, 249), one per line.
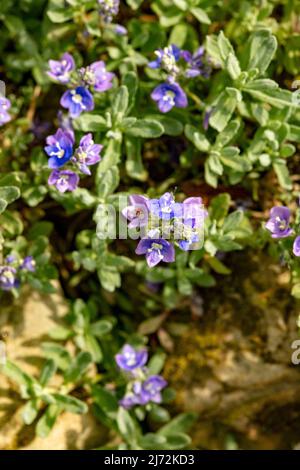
(232, 221)
(16, 374)
(159, 414)
(282, 173)
(219, 207)
(8, 194)
(177, 441)
(260, 50)
(223, 108)
(90, 123)
(225, 46)
(110, 278)
(78, 367)
(153, 441)
(134, 162)
(30, 411)
(294, 133)
(171, 126)
(47, 421)
(180, 424)
(230, 131)
(101, 328)
(268, 91)
(218, 266)
(47, 372)
(226, 244)
(210, 177)
(287, 150)
(105, 399)
(200, 277)
(230, 158)
(146, 128)
(127, 426)
(179, 34)
(58, 353)
(69, 403)
(120, 104)
(92, 346)
(201, 15)
(167, 16)
(232, 66)
(109, 182)
(214, 164)
(213, 49)
(130, 81)
(156, 363)
(198, 139)
(60, 333)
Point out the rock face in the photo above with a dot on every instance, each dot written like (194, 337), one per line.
(233, 365)
(24, 326)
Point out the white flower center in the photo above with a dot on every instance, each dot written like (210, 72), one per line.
(169, 96)
(77, 98)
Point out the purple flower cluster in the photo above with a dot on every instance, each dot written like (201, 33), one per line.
(81, 82)
(170, 94)
(197, 63)
(142, 387)
(278, 223)
(279, 226)
(60, 149)
(159, 220)
(9, 273)
(108, 9)
(4, 107)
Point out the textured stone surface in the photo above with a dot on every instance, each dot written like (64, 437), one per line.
(25, 325)
(232, 365)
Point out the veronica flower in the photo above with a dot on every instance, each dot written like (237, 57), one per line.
(88, 153)
(129, 401)
(296, 246)
(145, 392)
(59, 148)
(168, 95)
(149, 390)
(4, 107)
(130, 359)
(165, 207)
(137, 211)
(120, 30)
(193, 208)
(166, 59)
(28, 264)
(60, 70)
(64, 180)
(196, 63)
(97, 76)
(278, 224)
(187, 227)
(156, 250)
(189, 233)
(8, 279)
(108, 9)
(77, 101)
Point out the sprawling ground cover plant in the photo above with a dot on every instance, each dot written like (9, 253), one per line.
(136, 141)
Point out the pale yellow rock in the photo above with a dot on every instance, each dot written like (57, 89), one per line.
(25, 326)
(72, 432)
